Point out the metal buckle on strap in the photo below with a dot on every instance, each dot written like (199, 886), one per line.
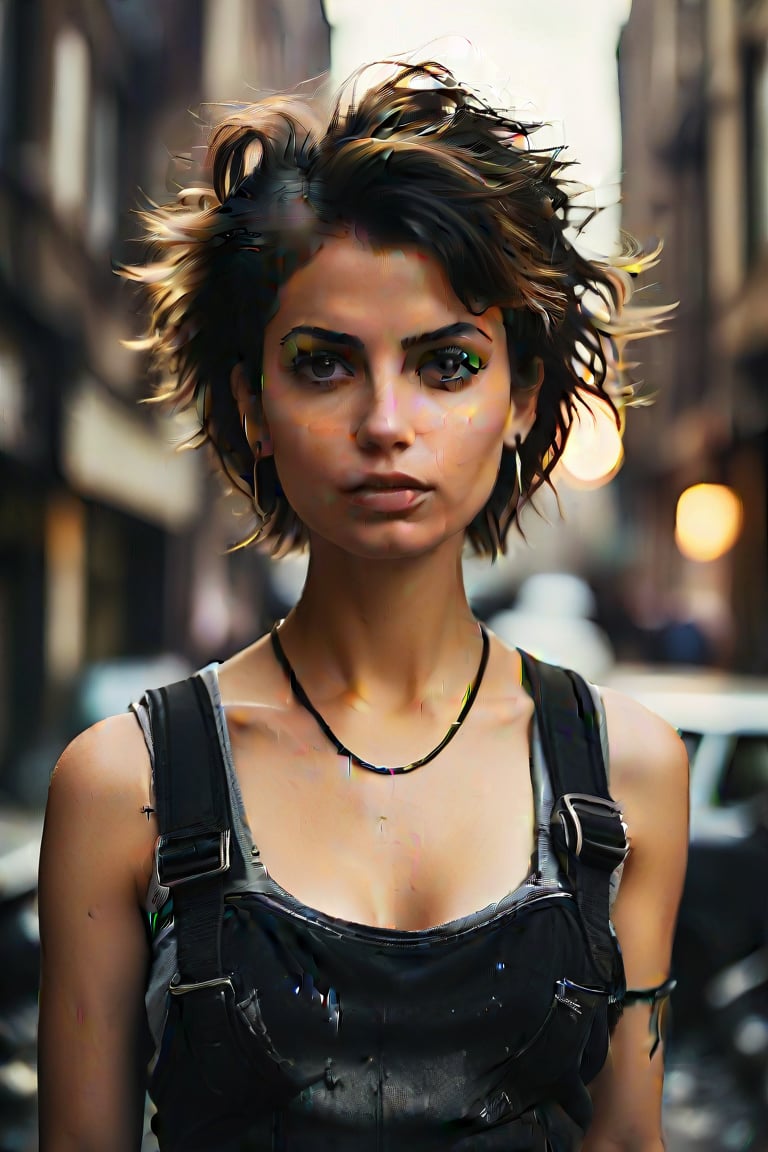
(593, 829)
(180, 857)
(176, 988)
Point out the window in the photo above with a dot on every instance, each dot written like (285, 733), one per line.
(756, 75)
(746, 776)
(13, 433)
(7, 75)
(101, 215)
(70, 92)
(691, 741)
(224, 49)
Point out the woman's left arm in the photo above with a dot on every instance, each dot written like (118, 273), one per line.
(649, 780)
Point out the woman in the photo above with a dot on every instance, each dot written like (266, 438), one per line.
(383, 326)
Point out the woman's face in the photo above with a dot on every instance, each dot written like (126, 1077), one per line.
(386, 403)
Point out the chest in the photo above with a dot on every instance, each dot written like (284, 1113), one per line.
(407, 851)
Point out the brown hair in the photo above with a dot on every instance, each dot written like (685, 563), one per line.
(418, 160)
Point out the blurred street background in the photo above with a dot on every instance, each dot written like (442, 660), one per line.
(114, 574)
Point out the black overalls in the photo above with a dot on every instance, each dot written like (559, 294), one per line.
(288, 1029)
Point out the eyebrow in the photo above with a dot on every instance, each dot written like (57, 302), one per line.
(460, 329)
(344, 338)
(325, 334)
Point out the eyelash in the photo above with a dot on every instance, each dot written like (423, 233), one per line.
(465, 364)
(303, 359)
(323, 383)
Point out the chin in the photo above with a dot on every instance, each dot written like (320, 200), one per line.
(393, 540)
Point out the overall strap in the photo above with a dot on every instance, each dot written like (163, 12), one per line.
(586, 825)
(193, 813)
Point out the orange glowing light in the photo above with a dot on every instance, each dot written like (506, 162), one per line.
(708, 521)
(593, 451)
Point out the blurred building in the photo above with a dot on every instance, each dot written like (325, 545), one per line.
(694, 78)
(100, 521)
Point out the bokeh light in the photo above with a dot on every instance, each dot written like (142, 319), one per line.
(708, 521)
(593, 451)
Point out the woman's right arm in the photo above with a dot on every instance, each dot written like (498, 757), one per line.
(93, 1038)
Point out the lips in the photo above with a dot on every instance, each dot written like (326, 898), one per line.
(384, 482)
(387, 493)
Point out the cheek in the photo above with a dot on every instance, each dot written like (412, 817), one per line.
(305, 454)
(472, 437)
(477, 421)
(299, 438)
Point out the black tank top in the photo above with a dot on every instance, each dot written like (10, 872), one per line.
(478, 1035)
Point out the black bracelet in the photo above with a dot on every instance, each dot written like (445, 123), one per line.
(656, 998)
(650, 995)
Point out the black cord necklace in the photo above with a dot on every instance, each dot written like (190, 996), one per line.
(342, 749)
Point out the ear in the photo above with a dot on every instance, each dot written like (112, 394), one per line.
(523, 402)
(252, 417)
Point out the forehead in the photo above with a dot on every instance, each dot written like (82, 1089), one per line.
(350, 286)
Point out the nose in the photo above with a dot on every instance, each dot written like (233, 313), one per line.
(388, 411)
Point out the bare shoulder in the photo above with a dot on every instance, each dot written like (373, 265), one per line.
(648, 760)
(110, 749)
(97, 791)
(106, 764)
(643, 747)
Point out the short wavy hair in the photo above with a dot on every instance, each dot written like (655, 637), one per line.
(419, 159)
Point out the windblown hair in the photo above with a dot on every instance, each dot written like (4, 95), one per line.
(419, 160)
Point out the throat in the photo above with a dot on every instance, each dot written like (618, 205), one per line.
(342, 745)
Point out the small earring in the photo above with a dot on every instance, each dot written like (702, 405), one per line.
(260, 512)
(519, 466)
(256, 446)
(256, 451)
(201, 405)
(265, 485)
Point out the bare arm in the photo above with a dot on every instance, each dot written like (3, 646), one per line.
(93, 1040)
(649, 778)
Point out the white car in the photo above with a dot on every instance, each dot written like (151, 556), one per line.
(723, 720)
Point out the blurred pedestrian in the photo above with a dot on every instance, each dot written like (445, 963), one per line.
(551, 619)
(351, 887)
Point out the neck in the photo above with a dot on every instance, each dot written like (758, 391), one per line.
(388, 631)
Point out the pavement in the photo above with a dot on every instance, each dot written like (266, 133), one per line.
(706, 1106)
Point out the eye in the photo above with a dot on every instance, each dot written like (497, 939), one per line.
(449, 368)
(320, 367)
